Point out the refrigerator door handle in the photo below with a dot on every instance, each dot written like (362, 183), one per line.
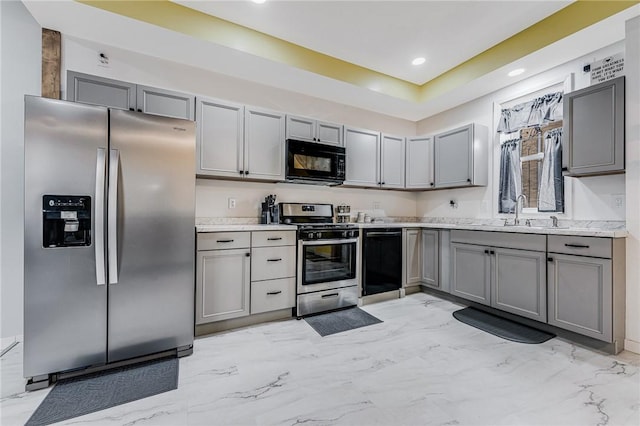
(101, 165)
(112, 225)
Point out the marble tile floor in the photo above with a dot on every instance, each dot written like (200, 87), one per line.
(419, 367)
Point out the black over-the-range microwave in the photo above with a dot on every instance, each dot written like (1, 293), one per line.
(316, 163)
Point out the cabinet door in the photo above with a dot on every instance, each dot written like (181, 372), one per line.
(167, 103)
(454, 157)
(430, 258)
(519, 283)
(594, 128)
(392, 162)
(580, 295)
(222, 285)
(419, 163)
(363, 157)
(94, 90)
(220, 141)
(471, 272)
(264, 144)
(301, 128)
(412, 257)
(330, 133)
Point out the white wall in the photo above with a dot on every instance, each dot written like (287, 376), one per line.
(587, 198)
(633, 183)
(21, 41)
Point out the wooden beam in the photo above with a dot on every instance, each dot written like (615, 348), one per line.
(51, 54)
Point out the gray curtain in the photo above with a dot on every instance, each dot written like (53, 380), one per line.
(510, 176)
(550, 198)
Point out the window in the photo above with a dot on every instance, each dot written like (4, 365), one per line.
(530, 133)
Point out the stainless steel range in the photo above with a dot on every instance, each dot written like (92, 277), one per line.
(328, 258)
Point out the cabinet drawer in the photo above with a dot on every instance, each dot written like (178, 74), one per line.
(531, 242)
(223, 240)
(272, 295)
(581, 246)
(273, 238)
(268, 263)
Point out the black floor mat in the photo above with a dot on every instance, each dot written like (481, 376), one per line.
(82, 395)
(339, 321)
(501, 327)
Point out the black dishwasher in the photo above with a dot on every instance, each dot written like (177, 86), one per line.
(381, 260)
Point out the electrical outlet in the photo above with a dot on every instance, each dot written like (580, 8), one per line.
(617, 202)
(232, 203)
(376, 205)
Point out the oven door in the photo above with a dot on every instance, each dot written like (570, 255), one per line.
(327, 264)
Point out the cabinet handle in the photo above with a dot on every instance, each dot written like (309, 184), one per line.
(383, 183)
(274, 238)
(549, 259)
(330, 295)
(431, 184)
(224, 241)
(576, 245)
(139, 110)
(492, 252)
(131, 109)
(247, 254)
(469, 180)
(246, 172)
(241, 172)
(271, 293)
(486, 252)
(274, 260)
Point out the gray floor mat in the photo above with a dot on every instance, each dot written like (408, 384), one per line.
(339, 321)
(501, 327)
(82, 395)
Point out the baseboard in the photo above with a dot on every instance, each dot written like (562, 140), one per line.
(632, 346)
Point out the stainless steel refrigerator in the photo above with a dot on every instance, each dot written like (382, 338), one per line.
(109, 236)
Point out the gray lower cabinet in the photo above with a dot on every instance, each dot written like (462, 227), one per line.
(504, 270)
(431, 258)
(95, 90)
(471, 272)
(593, 129)
(586, 279)
(519, 283)
(412, 257)
(222, 284)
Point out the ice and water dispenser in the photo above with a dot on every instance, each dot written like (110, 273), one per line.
(66, 221)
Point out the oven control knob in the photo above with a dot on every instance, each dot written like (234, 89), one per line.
(318, 235)
(352, 234)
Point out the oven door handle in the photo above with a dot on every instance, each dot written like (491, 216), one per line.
(327, 242)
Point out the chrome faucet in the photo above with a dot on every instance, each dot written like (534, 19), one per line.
(554, 221)
(522, 197)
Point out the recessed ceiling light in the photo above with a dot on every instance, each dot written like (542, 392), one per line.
(258, 1)
(515, 72)
(418, 61)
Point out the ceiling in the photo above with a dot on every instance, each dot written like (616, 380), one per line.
(356, 53)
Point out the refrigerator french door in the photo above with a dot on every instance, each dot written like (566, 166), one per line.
(109, 235)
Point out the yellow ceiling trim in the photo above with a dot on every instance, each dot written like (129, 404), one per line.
(571, 19)
(191, 22)
(175, 17)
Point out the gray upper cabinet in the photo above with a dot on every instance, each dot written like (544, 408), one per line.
(308, 129)
(419, 163)
(94, 90)
(363, 157)
(264, 134)
(220, 143)
(593, 130)
(461, 157)
(168, 103)
(431, 258)
(392, 162)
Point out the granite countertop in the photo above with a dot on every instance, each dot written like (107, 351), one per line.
(250, 224)
(584, 232)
